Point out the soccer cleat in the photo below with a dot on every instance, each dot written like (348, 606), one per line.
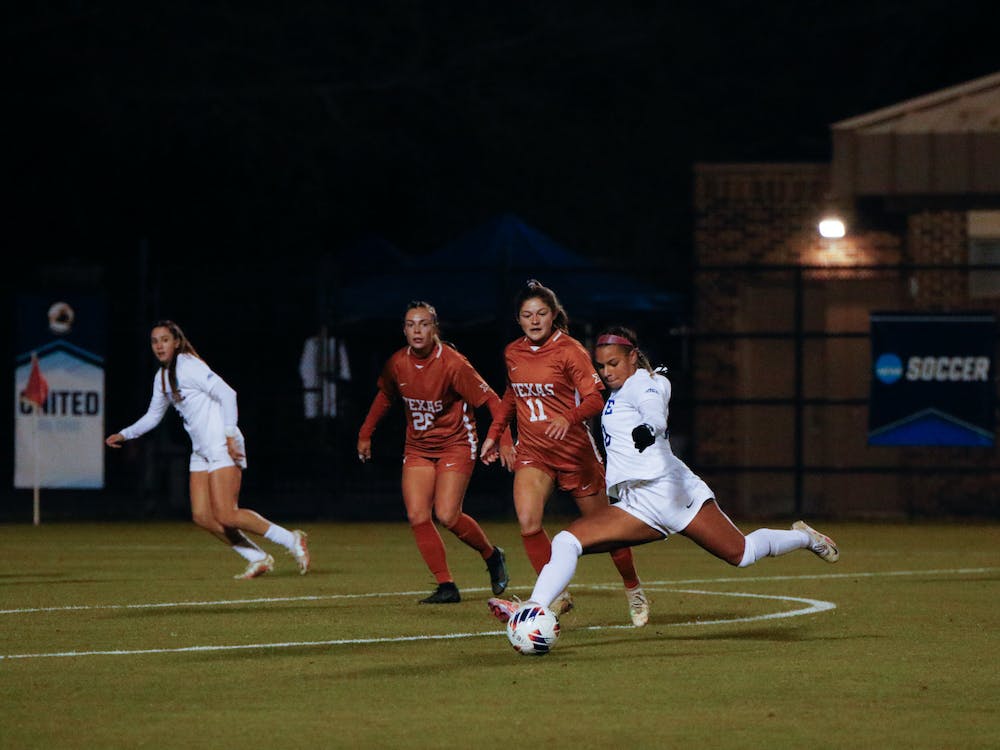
(638, 606)
(496, 564)
(445, 593)
(502, 609)
(820, 544)
(301, 551)
(562, 604)
(256, 569)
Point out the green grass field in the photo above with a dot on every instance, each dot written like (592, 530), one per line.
(135, 635)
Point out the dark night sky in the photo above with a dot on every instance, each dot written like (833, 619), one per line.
(207, 126)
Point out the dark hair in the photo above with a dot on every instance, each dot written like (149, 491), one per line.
(170, 369)
(534, 289)
(626, 333)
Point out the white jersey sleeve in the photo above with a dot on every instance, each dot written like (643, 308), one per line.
(222, 392)
(653, 405)
(154, 414)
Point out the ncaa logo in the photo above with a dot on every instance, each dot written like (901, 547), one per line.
(888, 368)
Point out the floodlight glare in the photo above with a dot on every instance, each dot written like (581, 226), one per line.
(832, 228)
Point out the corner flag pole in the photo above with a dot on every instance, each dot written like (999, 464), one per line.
(36, 392)
(36, 504)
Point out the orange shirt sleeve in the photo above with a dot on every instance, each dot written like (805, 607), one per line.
(387, 391)
(469, 384)
(503, 414)
(580, 370)
(587, 383)
(591, 405)
(379, 408)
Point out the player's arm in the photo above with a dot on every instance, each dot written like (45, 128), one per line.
(379, 408)
(473, 389)
(382, 403)
(580, 372)
(225, 394)
(652, 408)
(154, 414)
(502, 412)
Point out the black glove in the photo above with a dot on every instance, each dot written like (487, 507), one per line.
(643, 437)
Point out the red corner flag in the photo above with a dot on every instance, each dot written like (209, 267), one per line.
(37, 390)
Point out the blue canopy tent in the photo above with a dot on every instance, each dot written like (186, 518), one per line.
(473, 279)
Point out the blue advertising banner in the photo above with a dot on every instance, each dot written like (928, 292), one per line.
(59, 419)
(933, 379)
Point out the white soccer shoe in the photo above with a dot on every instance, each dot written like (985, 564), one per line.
(301, 551)
(562, 604)
(256, 569)
(638, 606)
(820, 544)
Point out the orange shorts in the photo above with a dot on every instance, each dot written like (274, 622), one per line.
(582, 479)
(459, 458)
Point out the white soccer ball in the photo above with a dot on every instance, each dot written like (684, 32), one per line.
(533, 630)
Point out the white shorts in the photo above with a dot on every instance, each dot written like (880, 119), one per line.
(218, 457)
(667, 504)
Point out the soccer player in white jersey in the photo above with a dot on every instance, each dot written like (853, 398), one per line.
(657, 494)
(207, 406)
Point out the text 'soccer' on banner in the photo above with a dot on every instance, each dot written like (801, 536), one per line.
(933, 379)
(59, 411)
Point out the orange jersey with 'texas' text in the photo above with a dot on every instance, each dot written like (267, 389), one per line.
(546, 381)
(439, 394)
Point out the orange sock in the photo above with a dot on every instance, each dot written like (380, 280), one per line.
(626, 566)
(432, 550)
(470, 532)
(539, 548)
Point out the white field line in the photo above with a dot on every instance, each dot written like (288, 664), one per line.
(384, 594)
(814, 605)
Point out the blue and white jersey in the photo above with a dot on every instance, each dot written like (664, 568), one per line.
(207, 405)
(643, 399)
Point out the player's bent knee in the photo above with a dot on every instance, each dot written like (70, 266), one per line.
(205, 521)
(569, 540)
(448, 520)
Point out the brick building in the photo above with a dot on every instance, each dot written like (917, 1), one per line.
(782, 351)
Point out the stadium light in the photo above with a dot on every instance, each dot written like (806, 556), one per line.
(832, 227)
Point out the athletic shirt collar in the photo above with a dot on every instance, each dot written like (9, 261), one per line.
(536, 347)
(435, 355)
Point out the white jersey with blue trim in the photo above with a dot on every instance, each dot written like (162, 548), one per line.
(207, 405)
(642, 399)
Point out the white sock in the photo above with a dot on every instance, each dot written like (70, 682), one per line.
(559, 570)
(280, 535)
(771, 543)
(250, 554)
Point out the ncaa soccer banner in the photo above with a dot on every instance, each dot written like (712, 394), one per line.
(59, 444)
(933, 379)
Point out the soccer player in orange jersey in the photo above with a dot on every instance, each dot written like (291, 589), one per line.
(439, 389)
(553, 389)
